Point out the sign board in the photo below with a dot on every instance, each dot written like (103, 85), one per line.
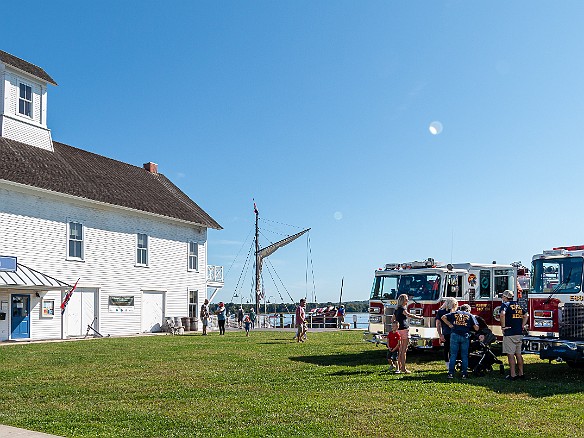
(8, 264)
(121, 303)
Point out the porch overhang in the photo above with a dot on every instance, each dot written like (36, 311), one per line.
(25, 278)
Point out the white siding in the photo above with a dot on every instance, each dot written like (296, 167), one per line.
(34, 229)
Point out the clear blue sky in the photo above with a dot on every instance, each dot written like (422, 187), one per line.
(320, 110)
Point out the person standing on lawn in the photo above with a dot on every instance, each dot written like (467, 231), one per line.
(513, 320)
(204, 314)
(401, 315)
(443, 329)
(393, 343)
(461, 323)
(301, 321)
(221, 313)
(247, 324)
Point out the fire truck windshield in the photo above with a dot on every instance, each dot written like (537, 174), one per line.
(558, 276)
(420, 287)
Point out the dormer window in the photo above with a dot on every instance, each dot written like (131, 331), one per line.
(25, 100)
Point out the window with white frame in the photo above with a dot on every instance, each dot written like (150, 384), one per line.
(193, 256)
(75, 238)
(25, 100)
(142, 250)
(193, 301)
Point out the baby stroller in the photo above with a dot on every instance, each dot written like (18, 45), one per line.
(481, 358)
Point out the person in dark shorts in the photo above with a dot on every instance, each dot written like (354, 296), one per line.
(401, 315)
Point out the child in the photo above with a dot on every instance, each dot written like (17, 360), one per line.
(393, 344)
(247, 324)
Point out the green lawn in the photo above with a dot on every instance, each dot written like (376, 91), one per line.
(268, 385)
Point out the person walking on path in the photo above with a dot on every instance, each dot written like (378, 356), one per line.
(513, 320)
(252, 317)
(461, 323)
(204, 314)
(401, 315)
(301, 321)
(443, 329)
(221, 313)
(240, 317)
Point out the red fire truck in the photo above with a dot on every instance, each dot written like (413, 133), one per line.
(427, 284)
(556, 306)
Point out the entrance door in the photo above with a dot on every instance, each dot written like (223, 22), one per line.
(20, 320)
(152, 311)
(81, 311)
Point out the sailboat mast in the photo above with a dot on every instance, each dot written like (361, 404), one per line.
(257, 262)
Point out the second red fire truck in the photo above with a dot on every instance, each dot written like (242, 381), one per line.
(556, 306)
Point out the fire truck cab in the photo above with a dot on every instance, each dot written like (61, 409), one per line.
(427, 284)
(556, 306)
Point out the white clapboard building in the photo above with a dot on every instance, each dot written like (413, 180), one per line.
(136, 244)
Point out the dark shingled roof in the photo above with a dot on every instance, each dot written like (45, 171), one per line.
(21, 64)
(80, 173)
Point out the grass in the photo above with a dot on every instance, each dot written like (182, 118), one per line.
(267, 385)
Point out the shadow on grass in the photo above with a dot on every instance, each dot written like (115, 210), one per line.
(541, 380)
(375, 356)
(372, 357)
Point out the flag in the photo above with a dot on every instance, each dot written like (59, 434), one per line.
(68, 297)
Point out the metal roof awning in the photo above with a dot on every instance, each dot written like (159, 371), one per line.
(30, 279)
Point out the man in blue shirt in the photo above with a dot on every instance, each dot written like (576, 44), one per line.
(513, 319)
(460, 324)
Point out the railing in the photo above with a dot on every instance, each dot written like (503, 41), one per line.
(214, 274)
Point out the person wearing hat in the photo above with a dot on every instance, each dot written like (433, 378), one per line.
(513, 320)
(221, 317)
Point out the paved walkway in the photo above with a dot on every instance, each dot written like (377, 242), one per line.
(14, 432)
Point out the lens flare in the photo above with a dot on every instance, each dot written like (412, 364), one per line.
(435, 128)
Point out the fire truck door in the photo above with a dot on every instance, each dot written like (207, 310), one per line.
(484, 303)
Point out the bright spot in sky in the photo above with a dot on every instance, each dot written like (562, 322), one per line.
(338, 215)
(435, 128)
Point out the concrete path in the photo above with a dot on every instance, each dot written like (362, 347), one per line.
(14, 432)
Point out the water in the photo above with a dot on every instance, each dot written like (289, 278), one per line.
(361, 318)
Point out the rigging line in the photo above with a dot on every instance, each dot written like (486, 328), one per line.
(239, 252)
(280, 223)
(311, 266)
(275, 285)
(283, 285)
(243, 269)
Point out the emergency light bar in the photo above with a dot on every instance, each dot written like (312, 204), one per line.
(429, 263)
(554, 252)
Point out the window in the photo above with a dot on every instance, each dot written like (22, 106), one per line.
(193, 303)
(142, 250)
(454, 286)
(75, 240)
(193, 256)
(25, 100)
(557, 276)
(485, 283)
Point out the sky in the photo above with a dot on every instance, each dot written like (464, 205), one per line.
(322, 112)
